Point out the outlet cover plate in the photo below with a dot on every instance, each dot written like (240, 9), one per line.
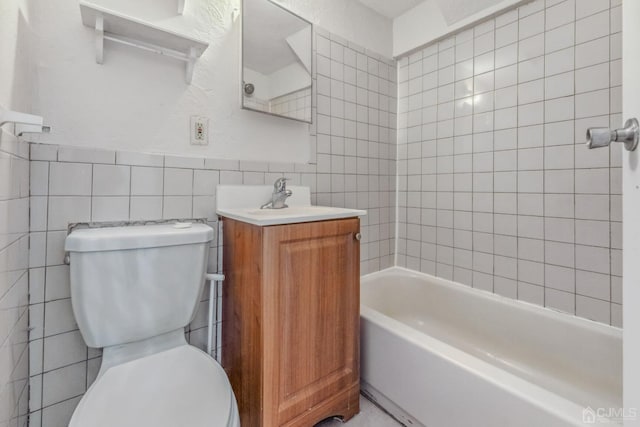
(199, 130)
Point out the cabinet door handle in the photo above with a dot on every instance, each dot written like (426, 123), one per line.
(358, 236)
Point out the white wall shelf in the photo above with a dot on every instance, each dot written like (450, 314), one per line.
(24, 123)
(120, 28)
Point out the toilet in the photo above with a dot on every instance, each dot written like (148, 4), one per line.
(133, 290)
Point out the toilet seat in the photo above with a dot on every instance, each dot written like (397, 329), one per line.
(182, 386)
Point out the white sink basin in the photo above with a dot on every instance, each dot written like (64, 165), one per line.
(242, 203)
(290, 215)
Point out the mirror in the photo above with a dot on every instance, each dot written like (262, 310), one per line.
(276, 61)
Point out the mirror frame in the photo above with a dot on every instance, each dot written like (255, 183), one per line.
(242, 106)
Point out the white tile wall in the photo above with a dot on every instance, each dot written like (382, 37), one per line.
(529, 212)
(356, 116)
(355, 130)
(14, 281)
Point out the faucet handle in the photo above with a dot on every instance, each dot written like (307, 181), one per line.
(280, 185)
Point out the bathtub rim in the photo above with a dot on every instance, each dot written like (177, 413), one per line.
(555, 314)
(547, 400)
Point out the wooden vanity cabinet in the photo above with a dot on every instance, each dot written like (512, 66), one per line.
(290, 321)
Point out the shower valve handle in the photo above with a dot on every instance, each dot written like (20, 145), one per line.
(602, 137)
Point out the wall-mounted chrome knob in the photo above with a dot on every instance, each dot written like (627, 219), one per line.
(602, 137)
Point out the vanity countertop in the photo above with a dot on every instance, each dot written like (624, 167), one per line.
(290, 215)
(242, 203)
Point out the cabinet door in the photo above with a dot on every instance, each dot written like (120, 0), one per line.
(311, 330)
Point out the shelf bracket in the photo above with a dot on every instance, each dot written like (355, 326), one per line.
(180, 7)
(100, 38)
(191, 62)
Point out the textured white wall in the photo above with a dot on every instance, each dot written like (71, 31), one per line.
(14, 36)
(9, 12)
(139, 101)
(8, 37)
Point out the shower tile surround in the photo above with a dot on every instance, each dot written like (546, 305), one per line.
(496, 189)
(354, 150)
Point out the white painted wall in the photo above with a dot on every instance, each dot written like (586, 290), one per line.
(139, 101)
(14, 36)
(425, 23)
(9, 12)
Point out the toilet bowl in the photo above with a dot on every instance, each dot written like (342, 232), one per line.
(182, 386)
(133, 290)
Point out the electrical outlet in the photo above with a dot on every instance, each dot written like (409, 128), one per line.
(199, 130)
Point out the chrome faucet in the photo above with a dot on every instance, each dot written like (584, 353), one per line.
(280, 194)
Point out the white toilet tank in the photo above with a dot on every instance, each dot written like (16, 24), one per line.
(136, 282)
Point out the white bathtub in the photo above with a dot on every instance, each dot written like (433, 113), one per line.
(440, 354)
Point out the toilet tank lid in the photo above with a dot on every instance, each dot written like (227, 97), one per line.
(137, 237)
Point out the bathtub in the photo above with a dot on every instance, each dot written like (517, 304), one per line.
(440, 354)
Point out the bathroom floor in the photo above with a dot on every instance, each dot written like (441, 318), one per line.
(370, 416)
